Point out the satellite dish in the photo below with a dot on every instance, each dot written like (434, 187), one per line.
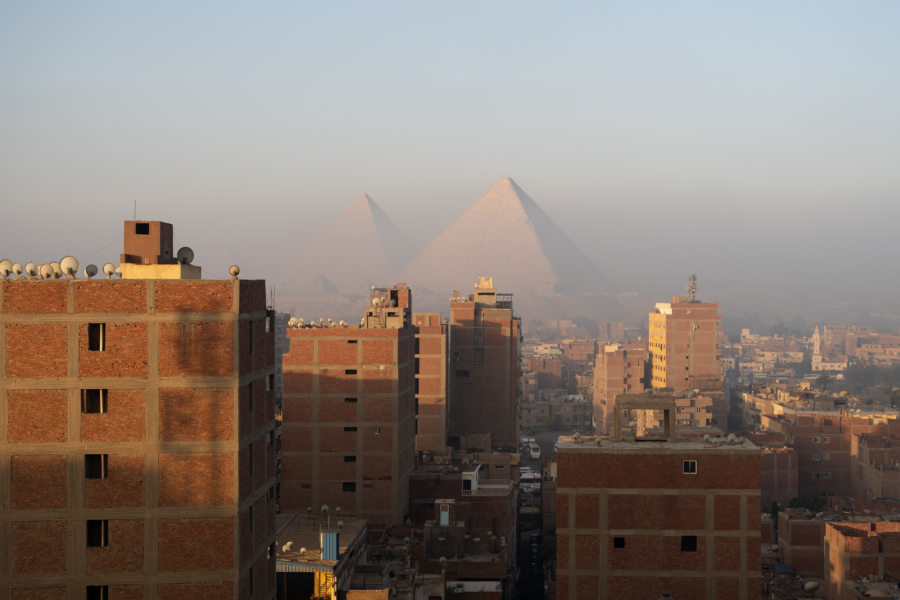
(109, 270)
(17, 269)
(31, 270)
(46, 271)
(289, 547)
(90, 271)
(185, 255)
(5, 267)
(57, 270)
(234, 271)
(118, 271)
(324, 508)
(69, 266)
(292, 322)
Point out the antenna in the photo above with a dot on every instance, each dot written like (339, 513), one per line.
(90, 271)
(109, 270)
(692, 288)
(69, 266)
(185, 255)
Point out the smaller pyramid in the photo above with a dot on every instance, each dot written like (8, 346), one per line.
(362, 247)
(505, 234)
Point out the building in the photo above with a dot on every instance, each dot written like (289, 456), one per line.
(137, 430)
(860, 556)
(349, 419)
(657, 519)
(484, 365)
(619, 369)
(685, 339)
(431, 382)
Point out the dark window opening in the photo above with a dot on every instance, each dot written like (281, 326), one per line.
(142, 228)
(97, 533)
(351, 341)
(350, 372)
(618, 542)
(462, 373)
(349, 486)
(96, 592)
(93, 401)
(350, 400)
(250, 579)
(689, 467)
(95, 466)
(689, 543)
(349, 428)
(96, 337)
(349, 459)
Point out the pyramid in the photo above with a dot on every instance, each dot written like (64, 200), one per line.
(362, 247)
(504, 234)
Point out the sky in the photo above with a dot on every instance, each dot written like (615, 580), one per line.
(756, 144)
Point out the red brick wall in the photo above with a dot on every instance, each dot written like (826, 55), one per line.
(37, 416)
(31, 541)
(36, 350)
(123, 487)
(39, 482)
(125, 552)
(196, 349)
(202, 415)
(196, 479)
(196, 544)
(125, 354)
(110, 296)
(125, 421)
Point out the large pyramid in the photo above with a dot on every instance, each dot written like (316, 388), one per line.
(362, 247)
(505, 234)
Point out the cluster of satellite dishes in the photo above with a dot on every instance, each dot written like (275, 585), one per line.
(295, 323)
(66, 267)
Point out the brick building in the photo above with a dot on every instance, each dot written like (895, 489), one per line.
(484, 365)
(349, 419)
(655, 518)
(431, 382)
(778, 476)
(619, 369)
(136, 432)
(685, 340)
(861, 550)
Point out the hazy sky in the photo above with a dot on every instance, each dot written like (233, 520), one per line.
(742, 141)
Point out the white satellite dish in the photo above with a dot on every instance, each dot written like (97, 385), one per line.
(17, 269)
(46, 271)
(234, 271)
(118, 271)
(5, 267)
(109, 270)
(185, 255)
(31, 270)
(69, 266)
(90, 271)
(57, 270)
(289, 547)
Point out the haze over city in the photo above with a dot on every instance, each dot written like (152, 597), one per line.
(754, 145)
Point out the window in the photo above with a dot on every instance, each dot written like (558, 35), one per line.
(250, 451)
(97, 533)
(376, 430)
(270, 493)
(142, 228)
(826, 440)
(618, 542)
(270, 382)
(348, 486)
(817, 440)
(817, 456)
(689, 467)
(350, 459)
(96, 592)
(350, 400)
(827, 475)
(270, 439)
(96, 337)
(689, 543)
(815, 475)
(462, 373)
(95, 466)
(351, 341)
(250, 395)
(250, 579)
(349, 428)
(350, 372)
(93, 401)
(250, 517)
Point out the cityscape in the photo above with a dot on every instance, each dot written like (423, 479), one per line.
(471, 301)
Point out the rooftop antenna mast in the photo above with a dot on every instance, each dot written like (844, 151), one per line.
(692, 288)
(135, 210)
